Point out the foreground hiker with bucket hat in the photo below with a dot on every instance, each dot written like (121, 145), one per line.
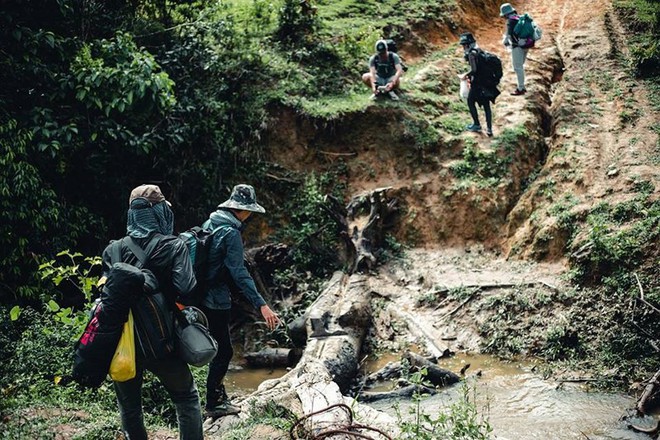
(226, 265)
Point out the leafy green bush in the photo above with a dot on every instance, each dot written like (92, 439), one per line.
(461, 420)
(27, 204)
(486, 166)
(298, 23)
(311, 229)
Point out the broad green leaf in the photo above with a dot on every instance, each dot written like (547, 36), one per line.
(14, 313)
(53, 306)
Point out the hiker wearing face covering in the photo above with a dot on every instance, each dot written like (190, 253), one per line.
(150, 226)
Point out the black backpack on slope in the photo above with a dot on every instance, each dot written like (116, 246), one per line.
(489, 69)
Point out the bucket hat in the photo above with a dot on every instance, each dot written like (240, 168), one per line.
(506, 9)
(466, 38)
(244, 198)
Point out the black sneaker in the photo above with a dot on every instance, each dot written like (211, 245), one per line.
(221, 410)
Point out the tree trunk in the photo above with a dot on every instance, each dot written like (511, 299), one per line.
(651, 389)
(336, 325)
(436, 375)
(362, 225)
(273, 357)
(407, 391)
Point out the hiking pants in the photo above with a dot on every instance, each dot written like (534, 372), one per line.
(518, 57)
(219, 329)
(175, 376)
(473, 96)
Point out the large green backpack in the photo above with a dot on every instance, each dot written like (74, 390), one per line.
(524, 28)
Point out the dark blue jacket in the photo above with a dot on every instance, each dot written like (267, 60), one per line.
(227, 252)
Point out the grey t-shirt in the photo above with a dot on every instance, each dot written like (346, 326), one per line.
(385, 68)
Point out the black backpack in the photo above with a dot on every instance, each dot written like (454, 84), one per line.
(153, 312)
(391, 45)
(489, 69)
(95, 348)
(198, 241)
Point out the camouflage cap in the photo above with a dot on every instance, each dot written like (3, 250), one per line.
(243, 197)
(151, 193)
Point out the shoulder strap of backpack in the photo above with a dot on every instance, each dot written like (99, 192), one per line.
(143, 255)
(115, 252)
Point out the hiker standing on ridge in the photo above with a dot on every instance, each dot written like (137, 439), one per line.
(150, 218)
(226, 265)
(483, 87)
(518, 47)
(385, 70)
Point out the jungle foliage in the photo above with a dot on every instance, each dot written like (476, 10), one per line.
(101, 96)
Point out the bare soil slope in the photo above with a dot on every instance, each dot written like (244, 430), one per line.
(587, 124)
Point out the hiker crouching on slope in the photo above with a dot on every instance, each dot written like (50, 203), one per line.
(150, 225)
(385, 70)
(480, 91)
(519, 48)
(226, 265)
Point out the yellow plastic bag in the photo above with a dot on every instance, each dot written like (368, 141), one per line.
(122, 367)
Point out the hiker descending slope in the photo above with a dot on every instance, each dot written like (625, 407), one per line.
(385, 70)
(484, 76)
(149, 228)
(518, 46)
(227, 267)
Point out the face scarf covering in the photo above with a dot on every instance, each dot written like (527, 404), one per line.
(144, 219)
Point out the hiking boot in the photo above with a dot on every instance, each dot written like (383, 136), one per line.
(475, 128)
(218, 404)
(518, 92)
(489, 132)
(393, 95)
(221, 410)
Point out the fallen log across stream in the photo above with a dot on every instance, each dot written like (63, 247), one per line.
(336, 325)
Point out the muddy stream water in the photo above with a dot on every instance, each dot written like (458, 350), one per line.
(515, 400)
(519, 404)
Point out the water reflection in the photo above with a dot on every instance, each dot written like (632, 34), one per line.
(243, 381)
